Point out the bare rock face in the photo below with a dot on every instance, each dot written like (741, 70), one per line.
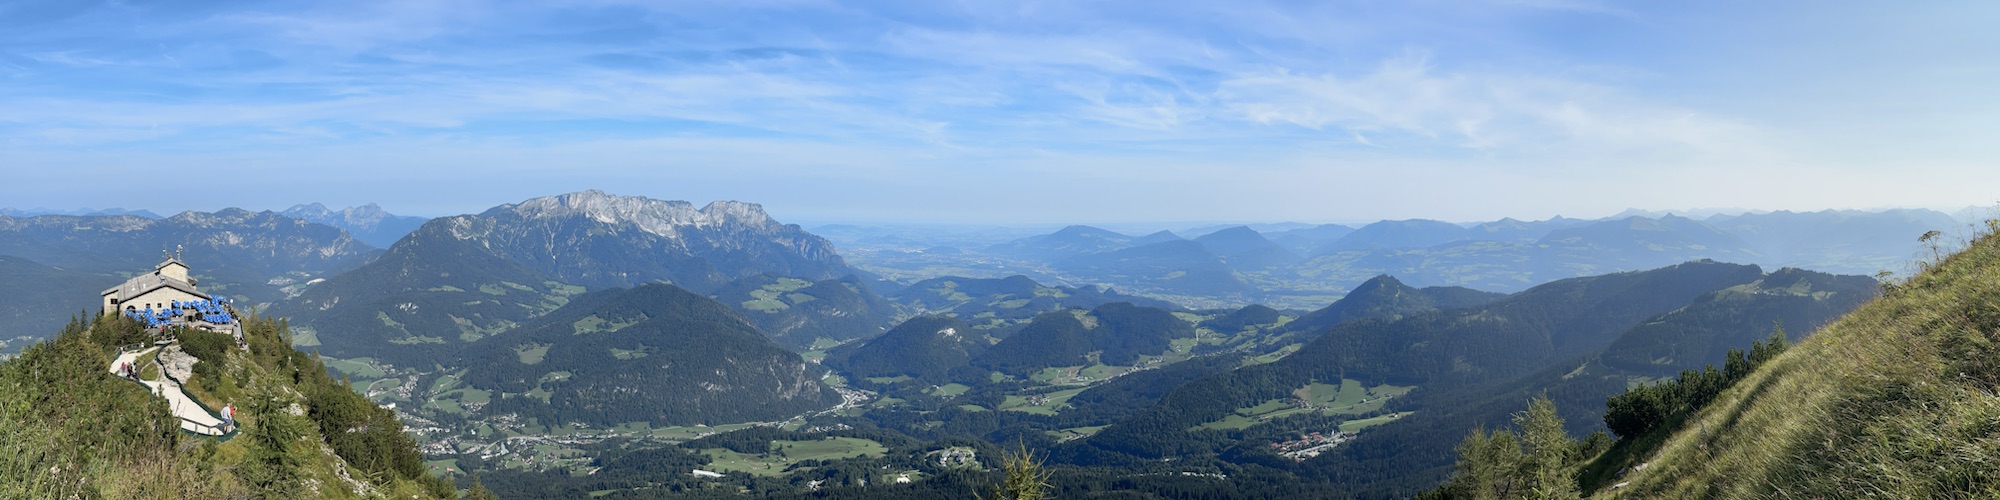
(601, 240)
(179, 364)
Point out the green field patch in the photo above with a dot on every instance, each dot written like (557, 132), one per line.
(1355, 425)
(1011, 304)
(1349, 397)
(1043, 291)
(304, 336)
(445, 383)
(1096, 373)
(887, 402)
(783, 454)
(554, 376)
(628, 354)
(447, 406)
(492, 289)
(1233, 422)
(361, 368)
(889, 380)
(562, 289)
(595, 324)
(1051, 374)
(1189, 317)
(769, 304)
(1074, 433)
(824, 343)
(446, 288)
(517, 286)
(973, 408)
(1041, 404)
(465, 395)
(682, 433)
(539, 393)
(1089, 322)
(411, 340)
(949, 390)
(442, 467)
(530, 354)
(384, 317)
(777, 297)
(1273, 356)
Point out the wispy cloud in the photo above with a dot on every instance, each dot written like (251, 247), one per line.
(1132, 91)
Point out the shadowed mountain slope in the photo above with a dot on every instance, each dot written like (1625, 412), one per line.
(654, 353)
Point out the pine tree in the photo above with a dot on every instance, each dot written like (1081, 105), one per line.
(270, 467)
(1549, 451)
(1487, 464)
(478, 491)
(1026, 479)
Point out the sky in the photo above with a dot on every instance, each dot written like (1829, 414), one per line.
(1005, 112)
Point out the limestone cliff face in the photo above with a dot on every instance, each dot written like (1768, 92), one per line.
(597, 239)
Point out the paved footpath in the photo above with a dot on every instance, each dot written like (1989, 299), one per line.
(193, 418)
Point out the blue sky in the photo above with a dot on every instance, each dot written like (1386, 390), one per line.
(1005, 112)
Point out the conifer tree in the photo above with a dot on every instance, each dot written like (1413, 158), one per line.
(1026, 479)
(1549, 451)
(270, 467)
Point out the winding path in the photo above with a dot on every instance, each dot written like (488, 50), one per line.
(193, 417)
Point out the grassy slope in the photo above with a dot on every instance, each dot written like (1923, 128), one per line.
(70, 428)
(1897, 399)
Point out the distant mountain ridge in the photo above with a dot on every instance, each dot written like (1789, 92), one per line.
(368, 223)
(12, 212)
(596, 239)
(1296, 266)
(457, 279)
(260, 256)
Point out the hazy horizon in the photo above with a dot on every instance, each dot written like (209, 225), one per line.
(1005, 112)
(808, 221)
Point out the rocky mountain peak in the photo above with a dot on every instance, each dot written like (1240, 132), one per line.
(309, 211)
(661, 217)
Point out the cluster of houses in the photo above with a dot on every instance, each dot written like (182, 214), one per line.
(1311, 445)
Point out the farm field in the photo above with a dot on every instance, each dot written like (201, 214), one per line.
(785, 453)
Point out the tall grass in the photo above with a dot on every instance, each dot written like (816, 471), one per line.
(1898, 399)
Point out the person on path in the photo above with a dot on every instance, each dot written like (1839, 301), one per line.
(228, 415)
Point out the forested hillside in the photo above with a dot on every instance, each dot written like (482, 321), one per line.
(69, 428)
(62, 292)
(1894, 400)
(654, 353)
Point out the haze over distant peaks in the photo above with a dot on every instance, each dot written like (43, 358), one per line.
(368, 223)
(11, 212)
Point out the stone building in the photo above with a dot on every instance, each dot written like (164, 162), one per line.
(168, 283)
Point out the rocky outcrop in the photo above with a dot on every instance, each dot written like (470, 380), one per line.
(179, 364)
(598, 239)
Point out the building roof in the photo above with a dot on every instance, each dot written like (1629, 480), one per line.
(145, 283)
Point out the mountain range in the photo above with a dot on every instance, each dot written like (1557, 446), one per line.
(368, 223)
(1147, 361)
(1300, 266)
(457, 279)
(261, 257)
